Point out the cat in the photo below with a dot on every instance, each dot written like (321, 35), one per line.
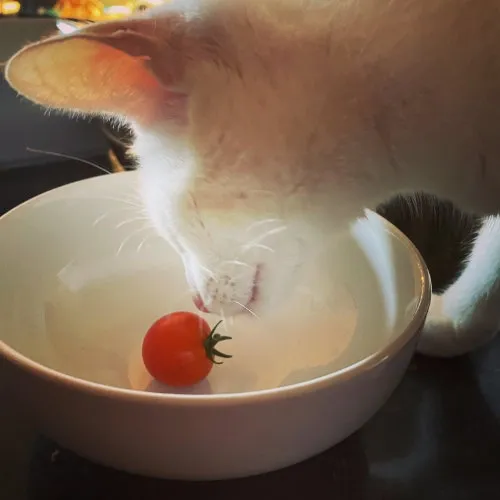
(264, 127)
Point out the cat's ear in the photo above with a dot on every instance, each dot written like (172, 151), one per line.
(129, 69)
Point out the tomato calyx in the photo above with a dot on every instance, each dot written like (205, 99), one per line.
(210, 345)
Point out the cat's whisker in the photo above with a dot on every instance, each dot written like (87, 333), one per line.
(136, 201)
(134, 197)
(106, 214)
(138, 206)
(153, 234)
(258, 245)
(263, 236)
(128, 221)
(246, 308)
(65, 268)
(143, 242)
(261, 222)
(209, 272)
(70, 157)
(276, 230)
(129, 237)
(101, 217)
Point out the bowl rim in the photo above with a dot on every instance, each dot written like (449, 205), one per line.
(310, 386)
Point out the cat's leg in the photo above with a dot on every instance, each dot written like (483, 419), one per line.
(467, 314)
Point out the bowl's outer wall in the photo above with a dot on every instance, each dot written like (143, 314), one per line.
(206, 441)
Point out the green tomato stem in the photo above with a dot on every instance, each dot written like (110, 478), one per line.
(211, 341)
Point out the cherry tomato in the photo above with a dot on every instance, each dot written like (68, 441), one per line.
(179, 349)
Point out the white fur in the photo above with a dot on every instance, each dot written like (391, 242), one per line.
(468, 314)
(222, 242)
(301, 113)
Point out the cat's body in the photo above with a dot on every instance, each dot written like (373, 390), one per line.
(264, 126)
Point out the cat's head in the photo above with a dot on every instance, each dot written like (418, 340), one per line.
(242, 133)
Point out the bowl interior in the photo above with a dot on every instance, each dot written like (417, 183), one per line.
(83, 277)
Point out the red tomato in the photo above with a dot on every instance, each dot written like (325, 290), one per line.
(179, 349)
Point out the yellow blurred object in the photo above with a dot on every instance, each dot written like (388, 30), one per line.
(95, 10)
(91, 10)
(117, 11)
(9, 7)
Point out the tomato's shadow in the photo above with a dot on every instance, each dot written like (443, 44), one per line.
(240, 381)
(202, 387)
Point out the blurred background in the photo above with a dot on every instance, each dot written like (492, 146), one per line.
(83, 10)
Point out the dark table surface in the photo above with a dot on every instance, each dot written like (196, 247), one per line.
(437, 438)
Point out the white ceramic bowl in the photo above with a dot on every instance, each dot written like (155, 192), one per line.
(81, 285)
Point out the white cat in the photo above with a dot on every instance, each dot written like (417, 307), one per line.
(264, 126)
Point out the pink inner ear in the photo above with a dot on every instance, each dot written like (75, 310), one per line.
(92, 77)
(123, 84)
